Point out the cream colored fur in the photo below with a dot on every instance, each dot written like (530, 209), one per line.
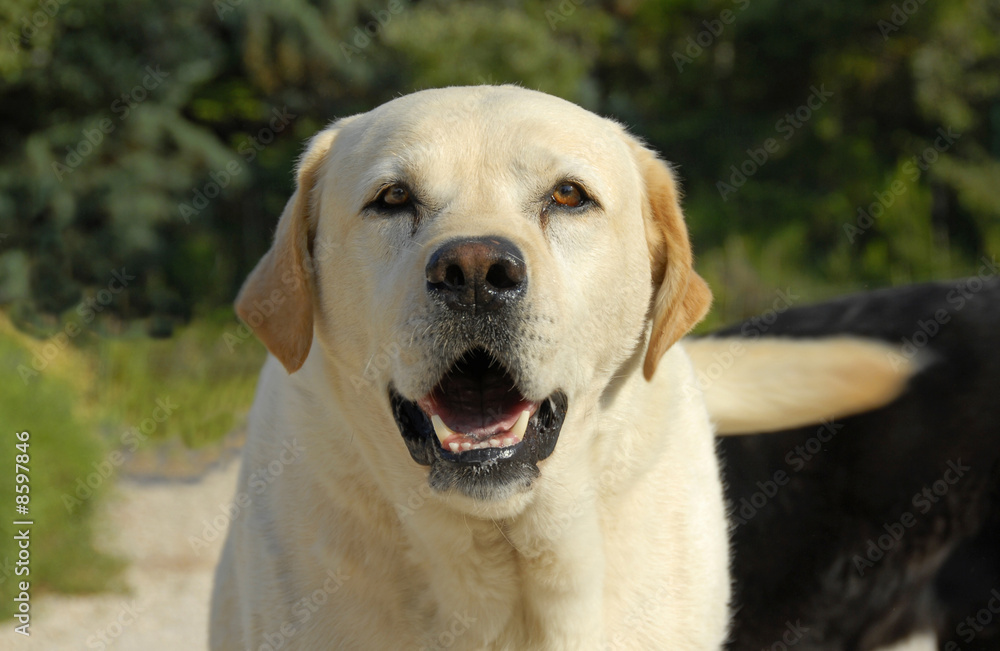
(620, 543)
(926, 641)
(774, 383)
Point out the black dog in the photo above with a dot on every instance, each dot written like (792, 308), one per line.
(859, 532)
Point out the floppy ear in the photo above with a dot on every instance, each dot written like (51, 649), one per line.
(276, 300)
(682, 297)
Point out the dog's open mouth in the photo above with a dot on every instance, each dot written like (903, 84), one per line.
(476, 418)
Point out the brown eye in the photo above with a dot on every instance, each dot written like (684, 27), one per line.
(394, 195)
(569, 195)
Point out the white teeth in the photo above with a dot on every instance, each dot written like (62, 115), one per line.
(517, 432)
(513, 437)
(443, 431)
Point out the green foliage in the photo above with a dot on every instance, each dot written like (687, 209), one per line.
(183, 191)
(63, 449)
(891, 96)
(206, 373)
(469, 44)
(102, 396)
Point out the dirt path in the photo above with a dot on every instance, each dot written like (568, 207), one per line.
(150, 522)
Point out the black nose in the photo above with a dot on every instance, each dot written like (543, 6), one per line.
(484, 273)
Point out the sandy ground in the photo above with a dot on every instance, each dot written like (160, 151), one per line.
(149, 521)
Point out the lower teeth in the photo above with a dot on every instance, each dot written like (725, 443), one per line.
(505, 442)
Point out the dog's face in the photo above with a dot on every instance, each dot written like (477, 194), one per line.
(481, 263)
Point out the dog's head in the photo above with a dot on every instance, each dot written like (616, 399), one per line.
(480, 263)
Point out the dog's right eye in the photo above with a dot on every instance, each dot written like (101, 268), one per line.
(392, 198)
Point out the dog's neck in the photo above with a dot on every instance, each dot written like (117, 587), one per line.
(542, 567)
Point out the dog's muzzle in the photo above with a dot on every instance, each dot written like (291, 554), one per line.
(475, 429)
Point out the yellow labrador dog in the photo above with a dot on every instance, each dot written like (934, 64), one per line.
(471, 433)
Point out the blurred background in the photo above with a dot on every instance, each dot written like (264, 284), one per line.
(148, 146)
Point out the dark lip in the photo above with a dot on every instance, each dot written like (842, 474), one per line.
(476, 472)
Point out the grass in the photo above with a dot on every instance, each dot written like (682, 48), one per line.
(205, 370)
(63, 447)
(77, 409)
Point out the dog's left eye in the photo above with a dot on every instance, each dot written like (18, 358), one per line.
(393, 197)
(569, 195)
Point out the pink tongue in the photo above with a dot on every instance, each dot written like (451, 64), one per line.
(478, 407)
